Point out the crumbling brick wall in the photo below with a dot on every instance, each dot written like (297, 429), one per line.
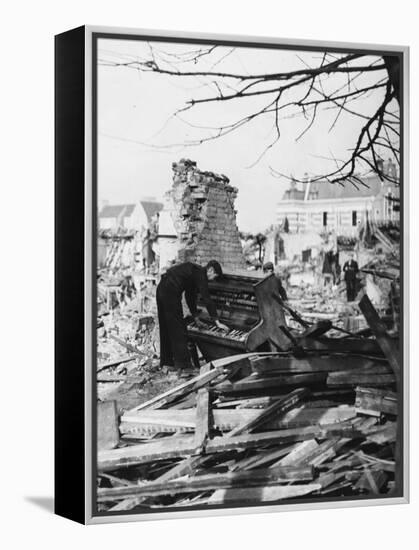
(202, 210)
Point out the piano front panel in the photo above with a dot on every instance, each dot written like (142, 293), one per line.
(238, 308)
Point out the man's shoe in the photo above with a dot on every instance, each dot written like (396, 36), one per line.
(168, 368)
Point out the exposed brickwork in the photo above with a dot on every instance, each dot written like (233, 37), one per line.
(203, 213)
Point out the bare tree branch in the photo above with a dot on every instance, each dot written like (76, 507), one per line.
(318, 87)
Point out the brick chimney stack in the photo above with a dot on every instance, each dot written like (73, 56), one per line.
(202, 210)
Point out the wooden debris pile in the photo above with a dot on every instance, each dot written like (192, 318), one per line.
(262, 428)
(119, 249)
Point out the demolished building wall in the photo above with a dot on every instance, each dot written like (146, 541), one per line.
(201, 207)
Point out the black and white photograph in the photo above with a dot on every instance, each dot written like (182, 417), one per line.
(248, 275)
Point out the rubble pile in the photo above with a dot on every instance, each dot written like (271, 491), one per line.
(127, 338)
(260, 428)
(116, 248)
(314, 420)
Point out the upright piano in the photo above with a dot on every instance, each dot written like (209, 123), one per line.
(254, 318)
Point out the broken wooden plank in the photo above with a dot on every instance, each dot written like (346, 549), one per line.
(317, 329)
(298, 454)
(325, 451)
(382, 434)
(386, 465)
(167, 448)
(262, 459)
(379, 377)
(326, 479)
(341, 345)
(280, 437)
(107, 425)
(280, 407)
(203, 414)
(379, 330)
(261, 494)
(148, 421)
(313, 364)
(247, 403)
(209, 482)
(193, 384)
(253, 382)
(375, 400)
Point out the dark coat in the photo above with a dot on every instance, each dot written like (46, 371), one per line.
(350, 269)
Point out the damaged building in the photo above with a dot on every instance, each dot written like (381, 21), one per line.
(321, 205)
(198, 221)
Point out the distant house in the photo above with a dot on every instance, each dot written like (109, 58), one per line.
(136, 216)
(322, 206)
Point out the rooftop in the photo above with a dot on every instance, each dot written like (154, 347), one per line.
(323, 189)
(115, 210)
(126, 210)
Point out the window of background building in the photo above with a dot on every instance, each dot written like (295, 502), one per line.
(354, 218)
(324, 219)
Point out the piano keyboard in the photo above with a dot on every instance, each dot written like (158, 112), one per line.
(232, 334)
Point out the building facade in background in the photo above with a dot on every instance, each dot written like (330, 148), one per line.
(321, 206)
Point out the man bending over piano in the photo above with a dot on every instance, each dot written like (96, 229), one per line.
(191, 279)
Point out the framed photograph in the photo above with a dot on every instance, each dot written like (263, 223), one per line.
(231, 280)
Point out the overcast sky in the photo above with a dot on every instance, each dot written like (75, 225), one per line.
(138, 138)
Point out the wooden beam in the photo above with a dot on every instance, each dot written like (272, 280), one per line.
(374, 377)
(341, 345)
(317, 329)
(184, 420)
(107, 425)
(262, 459)
(299, 453)
(178, 446)
(203, 414)
(280, 407)
(252, 382)
(383, 434)
(261, 494)
(379, 330)
(377, 401)
(313, 364)
(343, 429)
(209, 482)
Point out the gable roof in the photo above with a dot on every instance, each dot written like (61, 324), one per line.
(151, 208)
(115, 210)
(326, 190)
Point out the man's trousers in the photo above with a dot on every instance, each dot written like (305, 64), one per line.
(173, 337)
